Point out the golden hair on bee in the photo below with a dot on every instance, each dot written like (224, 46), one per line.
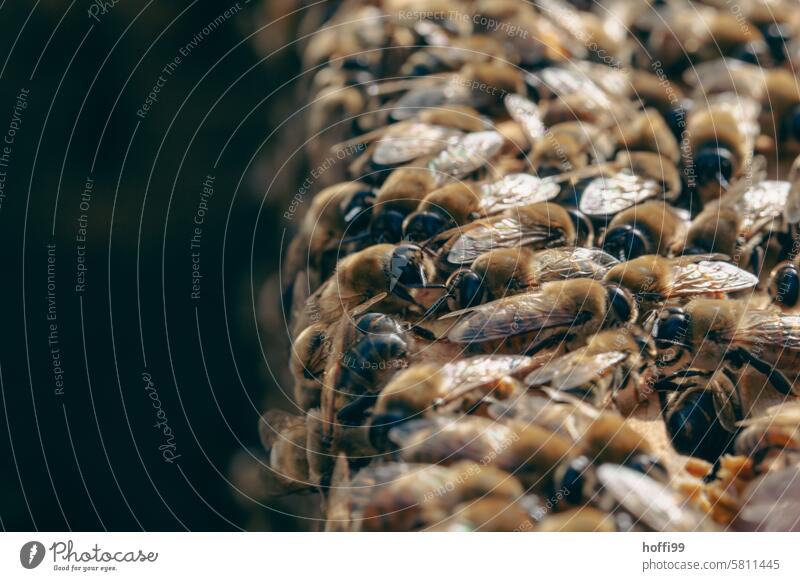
(506, 270)
(564, 148)
(576, 520)
(458, 201)
(454, 116)
(655, 227)
(642, 275)
(412, 390)
(610, 438)
(405, 187)
(714, 230)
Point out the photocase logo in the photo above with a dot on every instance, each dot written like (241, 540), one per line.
(31, 554)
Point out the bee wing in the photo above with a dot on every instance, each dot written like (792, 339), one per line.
(505, 232)
(508, 316)
(766, 329)
(526, 113)
(761, 204)
(483, 368)
(465, 154)
(708, 276)
(415, 141)
(446, 438)
(574, 369)
(516, 190)
(608, 195)
(772, 502)
(572, 262)
(647, 500)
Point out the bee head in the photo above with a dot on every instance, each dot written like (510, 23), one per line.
(422, 226)
(626, 242)
(694, 427)
(584, 230)
(466, 289)
(777, 36)
(357, 213)
(671, 331)
(378, 323)
(406, 270)
(714, 164)
(622, 304)
(784, 284)
(574, 479)
(387, 226)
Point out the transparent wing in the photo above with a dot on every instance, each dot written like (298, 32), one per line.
(516, 190)
(505, 232)
(526, 113)
(574, 369)
(507, 317)
(766, 329)
(465, 154)
(484, 368)
(441, 438)
(572, 262)
(415, 141)
(760, 204)
(608, 195)
(708, 276)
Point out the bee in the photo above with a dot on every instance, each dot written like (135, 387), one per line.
(540, 225)
(412, 497)
(758, 511)
(557, 315)
(527, 451)
(307, 364)
(508, 271)
(465, 385)
(648, 228)
(459, 203)
(284, 438)
(406, 186)
(397, 276)
(648, 131)
(569, 146)
(730, 333)
(613, 369)
(721, 140)
(634, 178)
(334, 213)
(655, 280)
(740, 222)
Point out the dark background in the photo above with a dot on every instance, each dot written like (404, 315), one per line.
(89, 459)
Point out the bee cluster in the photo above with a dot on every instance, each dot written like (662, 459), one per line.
(551, 281)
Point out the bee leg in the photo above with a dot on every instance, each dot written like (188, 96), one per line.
(774, 376)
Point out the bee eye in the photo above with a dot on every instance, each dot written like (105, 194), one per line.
(573, 478)
(423, 226)
(791, 124)
(468, 289)
(626, 242)
(672, 328)
(584, 229)
(387, 226)
(405, 266)
(358, 212)
(777, 37)
(714, 164)
(784, 285)
(648, 465)
(622, 304)
(676, 120)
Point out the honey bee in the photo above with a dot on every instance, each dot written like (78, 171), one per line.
(335, 212)
(528, 451)
(413, 497)
(772, 439)
(459, 203)
(426, 388)
(508, 271)
(284, 438)
(569, 146)
(721, 139)
(559, 314)
(396, 276)
(634, 178)
(648, 228)
(613, 368)
(654, 280)
(540, 225)
(307, 364)
(730, 333)
(406, 186)
(741, 222)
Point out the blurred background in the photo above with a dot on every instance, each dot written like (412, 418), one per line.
(149, 154)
